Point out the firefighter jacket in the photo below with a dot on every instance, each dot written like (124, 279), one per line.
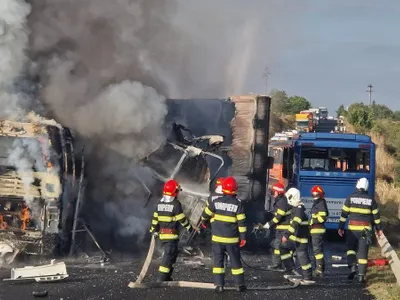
(210, 199)
(362, 212)
(319, 215)
(166, 219)
(214, 196)
(282, 212)
(299, 228)
(228, 219)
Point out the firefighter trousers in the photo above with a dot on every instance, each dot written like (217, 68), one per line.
(218, 252)
(276, 245)
(302, 255)
(169, 259)
(318, 249)
(357, 250)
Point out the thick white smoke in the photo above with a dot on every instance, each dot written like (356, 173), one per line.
(14, 37)
(25, 155)
(100, 79)
(28, 156)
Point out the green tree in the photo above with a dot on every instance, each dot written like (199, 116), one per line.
(360, 116)
(278, 101)
(381, 111)
(396, 115)
(295, 104)
(341, 111)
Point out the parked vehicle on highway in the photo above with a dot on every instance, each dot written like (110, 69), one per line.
(323, 113)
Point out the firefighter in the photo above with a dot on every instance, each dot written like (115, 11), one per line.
(228, 234)
(280, 223)
(319, 215)
(214, 195)
(296, 237)
(165, 226)
(218, 189)
(363, 214)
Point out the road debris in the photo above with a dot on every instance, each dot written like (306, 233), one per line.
(40, 293)
(336, 257)
(43, 273)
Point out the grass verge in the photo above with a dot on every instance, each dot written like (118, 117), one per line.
(381, 282)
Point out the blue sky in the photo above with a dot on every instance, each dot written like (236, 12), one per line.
(339, 48)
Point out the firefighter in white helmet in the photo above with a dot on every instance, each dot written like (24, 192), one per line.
(363, 214)
(296, 237)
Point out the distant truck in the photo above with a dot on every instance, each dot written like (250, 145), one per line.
(323, 113)
(315, 112)
(305, 121)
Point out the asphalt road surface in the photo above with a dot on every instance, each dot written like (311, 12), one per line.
(94, 281)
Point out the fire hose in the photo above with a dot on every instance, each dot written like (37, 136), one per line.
(192, 284)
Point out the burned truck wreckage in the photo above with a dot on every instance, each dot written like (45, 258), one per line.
(207, 138)
(212, 138)
(39, 183)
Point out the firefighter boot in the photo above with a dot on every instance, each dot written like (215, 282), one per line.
(219, 289)
(241, 288)
(353, 272)
(274, 267)
(292, 272)
(361, 278)
(319, 271)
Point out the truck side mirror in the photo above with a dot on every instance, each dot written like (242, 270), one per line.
(270, 162)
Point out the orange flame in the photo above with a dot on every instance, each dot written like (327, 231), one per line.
(25, 217)
(3, 225)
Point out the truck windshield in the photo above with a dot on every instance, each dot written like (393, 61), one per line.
(335, 159)
(22, 153)
(302, 123)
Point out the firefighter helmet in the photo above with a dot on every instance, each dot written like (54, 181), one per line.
(362, 184)
(229, 186)
(293, 196)
(219, 181)
(171, 188)
(317, 192)
(279, 188)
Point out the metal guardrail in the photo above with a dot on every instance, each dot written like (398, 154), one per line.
(391, 255)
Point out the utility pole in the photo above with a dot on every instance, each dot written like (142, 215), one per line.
(265, 75)
(369, 91)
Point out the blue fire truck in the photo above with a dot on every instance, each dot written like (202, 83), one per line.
(333, 161)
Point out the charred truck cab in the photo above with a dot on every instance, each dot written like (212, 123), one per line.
(183, 157)
(38, 187)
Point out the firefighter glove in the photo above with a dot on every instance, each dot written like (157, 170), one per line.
(257, 227)
(155, 234)
(267, 226)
